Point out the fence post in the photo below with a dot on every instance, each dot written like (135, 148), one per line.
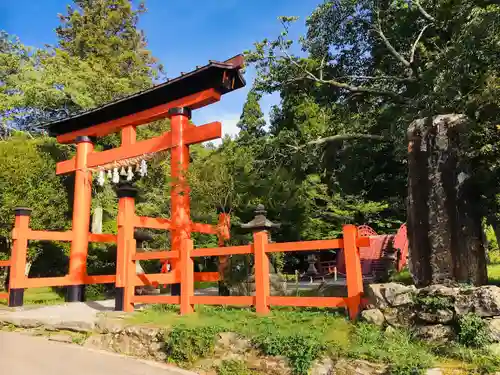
(125, 249)
(260, 226)
(260, 241)
(187, 276)
(353, 270)
(18, 256)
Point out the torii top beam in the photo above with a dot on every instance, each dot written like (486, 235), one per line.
(195, 89)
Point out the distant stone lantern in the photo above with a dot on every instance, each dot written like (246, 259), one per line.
(261, 223)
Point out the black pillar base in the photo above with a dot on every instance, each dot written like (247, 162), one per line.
(175, 289)
(16, 297)
(119, 293)
(75, 293)
(224, 289)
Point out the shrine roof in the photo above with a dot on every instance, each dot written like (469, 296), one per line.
(223, 76)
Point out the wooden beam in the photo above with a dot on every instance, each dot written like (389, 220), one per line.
(153, 255)
(203, 228)
(152, 222)
(206, 276)
(193, 101)
(305, 246)
(224, 300)
(218, 251)
(42, 235)
(196, 134)
(102, 237)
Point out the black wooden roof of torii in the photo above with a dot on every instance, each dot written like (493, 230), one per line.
(223, 76)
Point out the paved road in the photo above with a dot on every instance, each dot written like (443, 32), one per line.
(22, 355)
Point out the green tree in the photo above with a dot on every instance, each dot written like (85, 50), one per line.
(252, 120)
(105, 33)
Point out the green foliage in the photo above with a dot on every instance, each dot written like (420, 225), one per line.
(371, 343)
(301, 350)
(481, 360)
(186, 345)
(402, 277)
(95, 292)
(252, 120)
(473, 331)
(491, 239)
(433, 303)
(233, 367)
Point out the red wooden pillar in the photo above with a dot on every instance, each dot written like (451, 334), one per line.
(179, 190)
(81, 222)
(353, 270)
(18, 256)
(126, 244)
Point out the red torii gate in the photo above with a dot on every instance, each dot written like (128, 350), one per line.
(174, 99)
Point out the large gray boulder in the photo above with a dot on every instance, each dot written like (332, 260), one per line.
(390, 295)
(483, 301)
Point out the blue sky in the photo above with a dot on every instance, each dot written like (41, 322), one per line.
(181, 34)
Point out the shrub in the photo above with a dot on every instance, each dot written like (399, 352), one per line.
(433, 303)
(95, 292)
(186, 345)
(233, 367)
(404, 354)
(299, 349)
(473, 331)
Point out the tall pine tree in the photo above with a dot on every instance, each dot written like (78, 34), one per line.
(252, 120)
(104, 33)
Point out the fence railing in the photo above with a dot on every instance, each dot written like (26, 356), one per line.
(126, 278)
(260, 249)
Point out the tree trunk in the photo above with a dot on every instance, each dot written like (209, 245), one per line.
(444, 222)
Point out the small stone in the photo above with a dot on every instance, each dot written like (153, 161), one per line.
(439, 290)
(437, 333)
(323, 367)
(61, 338)
(494, 349)
(399, 317)
(109, 326)
(494, 326)
(398, 294)
(373, 316)
(375, 296)
(434, 371)
(442, 316)
(358, 367)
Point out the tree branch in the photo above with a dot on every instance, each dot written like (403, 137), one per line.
(424, 13)
(342, 137)
(388, 44)
(414, 46)
(341, 85)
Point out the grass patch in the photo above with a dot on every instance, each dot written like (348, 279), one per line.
(494, 274)
(404, 354)
(42, 296)
(205, 284)
(234, 367)
(404, 276)
(187, 344)
(302, 336)
(49, 296)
